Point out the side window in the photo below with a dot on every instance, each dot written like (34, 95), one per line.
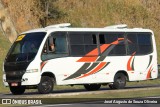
(116, 43)
(55, 46)
(107, 38)
(102, 38)
(81, 43)
(141, 43)
(132, 43)
(144, 43)
(76, 43)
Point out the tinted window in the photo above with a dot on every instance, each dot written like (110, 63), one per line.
(110, 38)
(82, 43)
(76, 38)
(115, 41)
(141, 43)
(25, 47)
(132, 43)
(118, 50)
(102, 39)
(144, 43)
(55, 46)
(90, 39)
(77, 50)
(144, 39)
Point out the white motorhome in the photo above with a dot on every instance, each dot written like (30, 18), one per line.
(62, 55)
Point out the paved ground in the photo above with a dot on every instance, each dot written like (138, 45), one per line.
(75, 92)
(99, 103)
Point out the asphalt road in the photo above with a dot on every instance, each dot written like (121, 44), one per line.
(73, 92)
(99, 103)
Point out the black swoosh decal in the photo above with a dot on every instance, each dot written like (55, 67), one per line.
(82, 70)
(150, 60)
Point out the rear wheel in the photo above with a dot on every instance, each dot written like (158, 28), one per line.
(119, 81)
(92, 87)
(46, 85)
(18, 90)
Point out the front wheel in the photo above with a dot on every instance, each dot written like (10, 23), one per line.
(18, 90)
(46, 85)
(119, 81)
(92, 87)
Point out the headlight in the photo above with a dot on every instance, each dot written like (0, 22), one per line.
(32, 70)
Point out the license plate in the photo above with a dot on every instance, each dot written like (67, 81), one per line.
(14, 84)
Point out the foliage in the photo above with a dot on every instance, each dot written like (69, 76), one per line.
(4, 46)
(30, 14)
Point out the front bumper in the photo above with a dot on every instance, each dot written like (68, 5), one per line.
(27, 79)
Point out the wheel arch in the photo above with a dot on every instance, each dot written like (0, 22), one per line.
(123, 72)
(49, 74)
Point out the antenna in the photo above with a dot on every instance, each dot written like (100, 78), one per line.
(62, 25)
(120, 26)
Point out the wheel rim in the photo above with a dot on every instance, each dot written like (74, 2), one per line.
(46, 85)
(121, 80)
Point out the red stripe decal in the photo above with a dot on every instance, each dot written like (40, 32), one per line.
(115, 42)
(104, 47)
(43, 63)
(98, 68)
(129, 67)
(93, 55)
(87, 59)
(90, 57)
(120, 39)
(149, 73)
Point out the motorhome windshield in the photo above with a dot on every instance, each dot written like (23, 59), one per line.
(25, 47)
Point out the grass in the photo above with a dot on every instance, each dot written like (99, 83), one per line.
(120, 94)
(88, 13)
(91, 13)
(4, 46)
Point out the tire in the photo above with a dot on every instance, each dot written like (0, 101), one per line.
(92, 87)
(111, 86)
(119, 81)
(46, 85)
(18, 90)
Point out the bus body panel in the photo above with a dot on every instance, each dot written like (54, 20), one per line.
(64, 67)
(70, 70)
